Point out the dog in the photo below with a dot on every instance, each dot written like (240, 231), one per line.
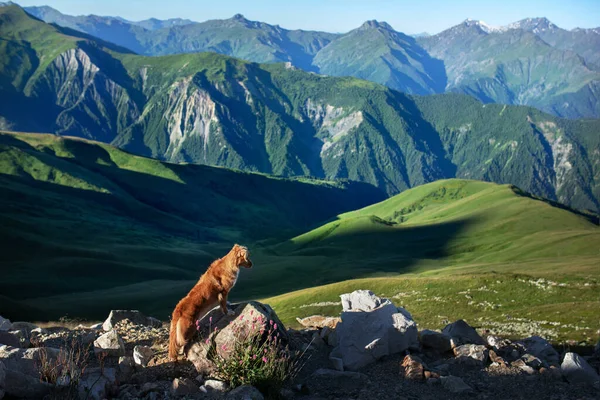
(211, 290)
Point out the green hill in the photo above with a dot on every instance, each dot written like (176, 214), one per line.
(215, 110)
(80, 216)
(466, 249)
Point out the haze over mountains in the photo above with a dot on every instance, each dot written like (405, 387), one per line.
(272, 118)
(530, 62)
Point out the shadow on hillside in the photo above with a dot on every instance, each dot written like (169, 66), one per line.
(375, 249)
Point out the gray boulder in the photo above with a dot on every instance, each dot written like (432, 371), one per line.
(542, 349)
(22, 371)
(245, 392)
(133, 315)
(462, 333)
(577, 370)
(142, 355)
(96, 383)
(111, 344)
(435, 340)
(371, 328)
(5, 324)
(126, 368)
(455, 384)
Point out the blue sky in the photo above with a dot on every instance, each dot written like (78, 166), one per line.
(413, 16)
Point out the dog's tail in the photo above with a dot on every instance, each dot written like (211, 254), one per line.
(173, 348)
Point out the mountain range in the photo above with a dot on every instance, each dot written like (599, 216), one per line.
(274, 118)
(530, 62)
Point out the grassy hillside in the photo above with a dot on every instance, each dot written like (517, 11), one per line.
(78, 216)
(467, 249)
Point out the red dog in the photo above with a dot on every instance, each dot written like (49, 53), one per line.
(212, 289)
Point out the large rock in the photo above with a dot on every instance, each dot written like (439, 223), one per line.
(542, 349)
(577, 370)
(22, 370)
(437, 341)
(96, 383)
(319, 321)
(370, 329)
(462, 333)
(183, 387)
(110, 344)
(133, 315)
(5, 324)
(222, 332)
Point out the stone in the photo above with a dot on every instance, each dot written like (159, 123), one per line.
(455, 385)
(5, 324)
(2, 379)
(577, 370)
(532, 361)
(471, 354)
(412, 368)
(96, 383)
(133, 315)
(433, 381)
(542, 349)
(126, 367)
(22, 370)
(250, 318)
(149, 387)
(110, 343)
(375, 329)
(437, 341)
(360, 300)
(495, 358)
(335, 383)
(462, 333)
(245, 392)
(142, 355)
(183, 387)
(216, 386)
(332, 339)
(10, 338)
(319, 321)
(337, 363)
(97, 326)
(26, 327)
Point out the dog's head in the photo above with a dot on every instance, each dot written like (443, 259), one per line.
(242, 256)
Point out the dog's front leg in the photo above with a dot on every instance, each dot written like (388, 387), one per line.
(223, 302)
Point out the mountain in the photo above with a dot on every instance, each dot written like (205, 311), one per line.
(378, 53)
(514, 66)
(237, 36)
(585, 42)
(79, 215)
(531, 62)
(215, 110)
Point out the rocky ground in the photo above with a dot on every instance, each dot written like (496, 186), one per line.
(373, 351)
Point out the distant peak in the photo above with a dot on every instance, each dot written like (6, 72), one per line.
(239, 17)
(480, 25)
(533, 25)
(376, 24)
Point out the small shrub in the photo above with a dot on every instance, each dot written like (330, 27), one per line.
(258, 357)
(64, 371)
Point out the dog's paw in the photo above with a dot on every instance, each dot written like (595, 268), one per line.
(230, 312)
